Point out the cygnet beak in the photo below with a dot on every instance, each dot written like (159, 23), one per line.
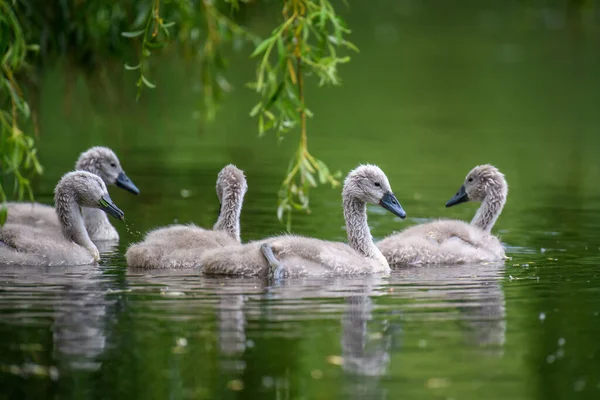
(106, 204)
(390, 203)
(124, 182)
(460, 197)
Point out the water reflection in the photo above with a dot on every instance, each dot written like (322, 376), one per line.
(475, 291)
(365, 343)
(365, 352)
(81, 312)
(72, 298)
(232, 324)
(371, 314)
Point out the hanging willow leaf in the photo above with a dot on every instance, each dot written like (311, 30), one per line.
(3, 213)
(262, 46)
(147, 82)
(133, 34)
(308, 42)
(132, 68)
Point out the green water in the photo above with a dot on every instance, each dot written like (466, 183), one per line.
(433, 92)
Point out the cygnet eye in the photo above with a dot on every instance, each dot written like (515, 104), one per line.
(112, 164)
(377, 184)
(470, 179)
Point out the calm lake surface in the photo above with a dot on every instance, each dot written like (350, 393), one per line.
(434, 92)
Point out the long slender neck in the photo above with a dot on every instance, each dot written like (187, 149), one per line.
(72, 224)
(357, 228)
(229, 216)
(490, 210)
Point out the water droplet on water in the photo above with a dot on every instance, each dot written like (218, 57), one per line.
(542, 316)
(268, 381)
(130, 230)
(561, 342)
(579, 385)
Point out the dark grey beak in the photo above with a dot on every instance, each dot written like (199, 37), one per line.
(390, 203)
(106, 204)
(124, 182)
(460, 197)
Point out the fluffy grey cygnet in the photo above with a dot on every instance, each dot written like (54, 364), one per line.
(100, 161)
(26, 245)
(180, 246)
(452, 241)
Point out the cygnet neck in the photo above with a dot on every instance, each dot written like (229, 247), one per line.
(72, 223)
(229, 215)
(357, 228)
(490, 209)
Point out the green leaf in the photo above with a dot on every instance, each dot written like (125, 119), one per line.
(25, 109)
(7, 55)
(322, 18)
(323, 172)
(269, 124)
(168, 24)
(262, 46)
(350, 45)
(256, 109)
(3, 213)
(261, 125)
(306, 164)
(311, 180)
(281, 51)
(133, 34)
(281, 209)
(155, 45)
(147, 82)
(21, 190)
(275, 95)
(132, 67)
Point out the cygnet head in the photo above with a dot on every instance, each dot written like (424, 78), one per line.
(231, 181)
(103, 162)
(369, 184)
(88, 190)
(481, 182)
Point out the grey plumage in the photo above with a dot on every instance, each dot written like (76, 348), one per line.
(302, 256)
(180, 246)
(100, 161)
(71, 245)
(451, 241)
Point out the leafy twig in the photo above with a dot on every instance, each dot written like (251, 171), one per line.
(18, 155)
(307, 42)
